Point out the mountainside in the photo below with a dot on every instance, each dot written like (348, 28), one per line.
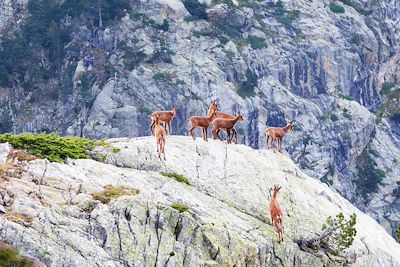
(222, 219)
(98, 68)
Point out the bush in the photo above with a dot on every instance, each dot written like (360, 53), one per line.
(51, 146)
(398, 232)
(387, 87)
(257, 42)
(337, 235)
(336, 8)
(196, 9)
(334, 117)
(346, 97)
(111, 192)
(10, 257)
(178, 177)
(160, 76)
(369, 177)
(247, 87)
(344, 231)
(180, 207)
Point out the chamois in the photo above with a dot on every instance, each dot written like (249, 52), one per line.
(203, 122)
(226, 124)
(222, 115)
(165, 116)
(276, 213)
(160, 134)
(277, 134)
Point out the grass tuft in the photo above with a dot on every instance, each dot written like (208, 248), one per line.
(110, 192)
(181, 207)
(10, 257)
(178, 177)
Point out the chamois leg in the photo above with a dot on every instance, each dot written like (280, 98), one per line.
(234, 135)
(191, 132)
(267, 141)
(152, 126)
(163, 147)
(158, 149)
(170, 128)
(228, 139)
(217, 133)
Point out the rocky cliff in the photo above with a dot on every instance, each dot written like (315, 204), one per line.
(50, 211)
(98, 68)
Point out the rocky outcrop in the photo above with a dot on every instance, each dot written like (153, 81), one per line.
(227, 222)
(308, 62)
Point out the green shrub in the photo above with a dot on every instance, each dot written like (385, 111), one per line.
(334, 117)
(181, 207)
(283, 15)
(257, 42)
(343, 234)
(398, 232)
(357, 7)
(387, 87)
(161, 76)
(336, 8)
(346, 97)
(51, 146)
(196, 9)
(111, 192)
(247, 87)
(10, 257)
(369, 177)
(178, 177)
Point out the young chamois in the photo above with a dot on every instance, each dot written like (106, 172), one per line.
(226, 124)
(160, 134)
(276, 213)
(222, 115)
(165, 116)
(277, 134)
(203, 122)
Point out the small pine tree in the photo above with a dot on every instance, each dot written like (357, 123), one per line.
(342, 232)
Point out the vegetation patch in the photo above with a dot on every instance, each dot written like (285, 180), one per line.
(10, 257)
(346, 97)
(359, 9)
(283, 15)
(337, 235)
(398, 233)
(196, 9)
(181, 207)
(178, 177)
(50, 146)
(387, 87)
(6, 119)
(369, 177)
(326, 178)
(247, 87)
(111, 192)
(336, 8)
(257, 42)
(19, 218)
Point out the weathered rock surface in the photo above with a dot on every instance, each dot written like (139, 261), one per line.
(325, 69)
(227, 222)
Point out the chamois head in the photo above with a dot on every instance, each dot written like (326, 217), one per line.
(157, 119)
(213, 106)
(174, 109)
(275, 190)
(240, 117)
(291, 127)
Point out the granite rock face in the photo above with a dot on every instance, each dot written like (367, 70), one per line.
(332, 72)
(54, 218)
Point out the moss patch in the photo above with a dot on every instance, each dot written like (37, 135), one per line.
(110, 192)
(10, 257)
(181, 207)
(50, 146)
(178, 177)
